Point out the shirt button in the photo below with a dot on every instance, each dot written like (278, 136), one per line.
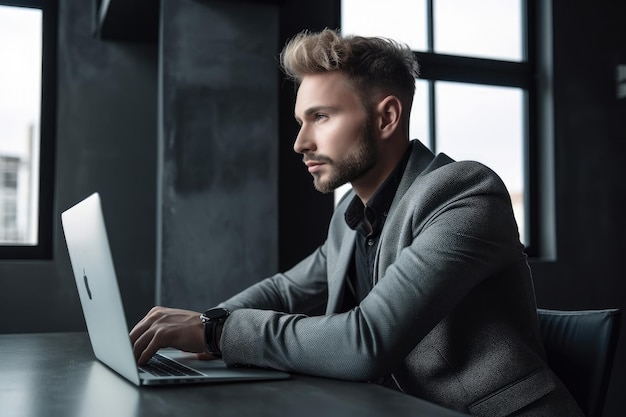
(370, 242)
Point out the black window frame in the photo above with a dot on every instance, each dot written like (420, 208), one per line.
(492, 72)
(47, 139)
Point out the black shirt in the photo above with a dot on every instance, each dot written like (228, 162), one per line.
(368, 221)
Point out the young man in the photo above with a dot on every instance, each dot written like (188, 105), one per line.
(423, 279)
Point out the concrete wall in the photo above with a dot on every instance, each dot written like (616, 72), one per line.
(218, 150)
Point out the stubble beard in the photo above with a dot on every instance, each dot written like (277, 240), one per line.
(353, 166)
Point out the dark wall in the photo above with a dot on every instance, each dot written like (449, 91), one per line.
(303, 211)
(106, 142)
(218, 128)
(590, 144)
(227, 133)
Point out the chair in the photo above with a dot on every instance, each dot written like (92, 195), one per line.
(580, 348)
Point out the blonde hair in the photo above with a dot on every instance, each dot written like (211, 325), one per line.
(371, 64)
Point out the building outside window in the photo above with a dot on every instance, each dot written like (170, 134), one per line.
(20, 108)
(28, 39)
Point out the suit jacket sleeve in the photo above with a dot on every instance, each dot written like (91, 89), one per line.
(303, 289)
(451, 230)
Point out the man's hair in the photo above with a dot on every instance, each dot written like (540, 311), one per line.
(372, 64)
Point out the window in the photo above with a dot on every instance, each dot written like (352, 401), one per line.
(475, 93)
(27, 81)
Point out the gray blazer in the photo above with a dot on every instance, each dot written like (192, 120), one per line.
(452, 315)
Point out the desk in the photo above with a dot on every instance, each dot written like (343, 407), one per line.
(56, 374)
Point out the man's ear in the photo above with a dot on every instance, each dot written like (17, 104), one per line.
(389, 112)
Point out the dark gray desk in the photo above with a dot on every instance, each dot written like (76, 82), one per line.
(56, 374)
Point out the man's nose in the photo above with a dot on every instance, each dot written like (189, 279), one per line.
(303, 143)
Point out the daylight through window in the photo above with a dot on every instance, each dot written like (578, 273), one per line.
(20, 111)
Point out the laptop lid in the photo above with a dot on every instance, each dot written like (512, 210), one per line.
(96, 282)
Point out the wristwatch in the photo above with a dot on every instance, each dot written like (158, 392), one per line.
(211, 319)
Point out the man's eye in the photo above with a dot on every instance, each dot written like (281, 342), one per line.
(320, 116)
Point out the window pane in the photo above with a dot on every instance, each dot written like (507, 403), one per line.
(485, 124)
(419, 124)
(400, 20)
(20, 108)
(479, 28)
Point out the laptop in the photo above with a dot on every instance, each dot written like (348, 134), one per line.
(92, 265)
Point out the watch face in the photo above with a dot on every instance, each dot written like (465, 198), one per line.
(215, 313)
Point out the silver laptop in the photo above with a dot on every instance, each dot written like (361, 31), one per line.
(92, 264)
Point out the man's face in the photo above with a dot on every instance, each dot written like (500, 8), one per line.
(335, 138)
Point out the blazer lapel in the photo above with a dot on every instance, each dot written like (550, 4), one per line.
(421, 161)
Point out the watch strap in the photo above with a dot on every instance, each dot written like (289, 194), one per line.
(213, 318)
(210, 338)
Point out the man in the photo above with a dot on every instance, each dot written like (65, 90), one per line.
(423, 279)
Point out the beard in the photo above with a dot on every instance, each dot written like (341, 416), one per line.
(351, 167)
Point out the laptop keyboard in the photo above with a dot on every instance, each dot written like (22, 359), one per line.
(159, 365)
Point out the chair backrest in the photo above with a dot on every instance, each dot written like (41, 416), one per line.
(580, 347)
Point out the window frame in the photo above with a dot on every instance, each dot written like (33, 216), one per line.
(47, 137)
(492, 72)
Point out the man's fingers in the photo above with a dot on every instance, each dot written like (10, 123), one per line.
(163, 327)
(149, 343)
(137, 331)
(148, 352)
(140, 345)
(142, 336)
(144, 324)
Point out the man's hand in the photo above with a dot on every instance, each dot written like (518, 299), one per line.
(167, 327)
